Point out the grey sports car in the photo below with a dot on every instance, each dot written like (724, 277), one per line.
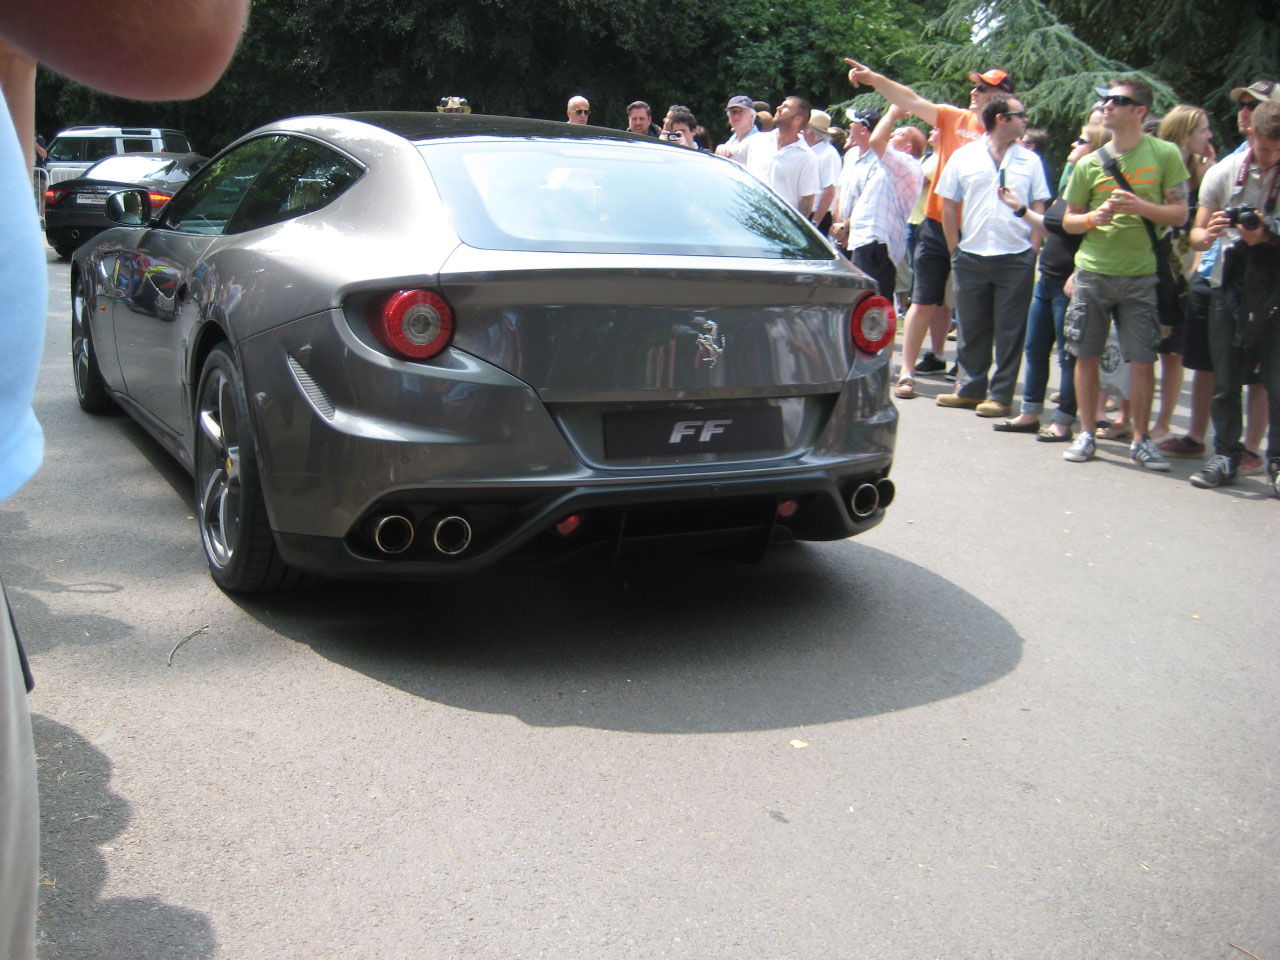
(400, 345)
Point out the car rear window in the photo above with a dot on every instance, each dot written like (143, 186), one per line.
(137, 145)
(614, 197)
(132, 168)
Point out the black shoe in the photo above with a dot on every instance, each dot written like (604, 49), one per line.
(930, 363)
(953, 373)
(1217, 471)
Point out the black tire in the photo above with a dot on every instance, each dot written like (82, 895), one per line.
(230, 510)
(91, 389)
(64, 250)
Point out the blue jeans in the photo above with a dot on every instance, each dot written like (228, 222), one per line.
(1044, 325)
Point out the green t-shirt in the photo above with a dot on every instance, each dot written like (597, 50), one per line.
(1123, 247)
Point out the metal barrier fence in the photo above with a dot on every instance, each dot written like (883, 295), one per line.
(40, 181)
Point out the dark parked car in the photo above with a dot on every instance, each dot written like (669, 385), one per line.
(400, 345)
(74, 209)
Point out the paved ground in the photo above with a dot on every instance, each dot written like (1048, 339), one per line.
(1033, 714)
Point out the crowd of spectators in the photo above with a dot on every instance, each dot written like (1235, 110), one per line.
(1146, 249)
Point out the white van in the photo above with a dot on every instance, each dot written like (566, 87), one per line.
(75, 150)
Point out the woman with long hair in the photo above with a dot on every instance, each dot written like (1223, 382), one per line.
(1188, 127)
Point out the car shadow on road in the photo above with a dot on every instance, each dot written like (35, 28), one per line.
(80, 814)
(816, 633)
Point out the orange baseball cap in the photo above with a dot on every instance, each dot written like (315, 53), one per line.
(994, 78)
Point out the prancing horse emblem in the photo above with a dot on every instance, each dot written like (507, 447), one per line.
(710, 342)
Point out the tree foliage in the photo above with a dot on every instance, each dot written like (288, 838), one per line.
(1203, 48)
(1055, 71)
(517, 57)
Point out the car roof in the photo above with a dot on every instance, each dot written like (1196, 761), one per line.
(433, 126)
(103, 131)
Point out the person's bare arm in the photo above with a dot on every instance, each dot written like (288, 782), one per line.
(117, 48)
(806, 205)
(1037, 230)
(1172, 213)
(824, 203)
(1210, 224)
(951, 222)
(884, 129)
(18, 81)
(1079, 219)
(896, 93)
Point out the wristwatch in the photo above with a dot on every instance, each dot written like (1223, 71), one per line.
(1021, 211)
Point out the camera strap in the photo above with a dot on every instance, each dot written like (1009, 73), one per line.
(1269, 207)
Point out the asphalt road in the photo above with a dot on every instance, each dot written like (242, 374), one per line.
(1033, 714)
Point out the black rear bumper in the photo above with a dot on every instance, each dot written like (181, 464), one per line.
(512, 527)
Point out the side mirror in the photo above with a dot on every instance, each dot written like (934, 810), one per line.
(129, 208)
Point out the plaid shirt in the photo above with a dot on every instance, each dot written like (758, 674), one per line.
(882, 207)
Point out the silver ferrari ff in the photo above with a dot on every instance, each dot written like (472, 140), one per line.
(402, 345)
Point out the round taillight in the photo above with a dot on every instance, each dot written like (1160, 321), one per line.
(874, 324)
(416, 324)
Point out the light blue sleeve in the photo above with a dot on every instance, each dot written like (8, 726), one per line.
(23, 277)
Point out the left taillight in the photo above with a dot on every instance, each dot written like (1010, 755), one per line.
(53, 194)
(416, 324)
(873, 324)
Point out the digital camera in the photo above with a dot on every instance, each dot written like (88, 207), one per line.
(1244, 215)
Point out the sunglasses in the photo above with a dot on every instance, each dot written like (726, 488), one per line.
(457, 101)
(1248, 104)
(1014, 113)
(580, 111)
(1120, 100)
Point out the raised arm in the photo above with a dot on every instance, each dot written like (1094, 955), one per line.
(884, 129)
(896, 93)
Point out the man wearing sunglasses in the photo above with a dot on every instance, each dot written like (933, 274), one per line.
(956, 127)
(994, 260)
(1116, 265)
(1238, 204)
(578, 110)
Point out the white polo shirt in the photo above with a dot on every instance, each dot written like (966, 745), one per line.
(791, 171)
(988, 227)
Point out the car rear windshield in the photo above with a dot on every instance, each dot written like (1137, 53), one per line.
(612, 197)
(133, 169)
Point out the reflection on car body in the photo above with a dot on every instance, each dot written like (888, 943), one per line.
(417, 345)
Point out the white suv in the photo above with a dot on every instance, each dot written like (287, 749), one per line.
(75, 150)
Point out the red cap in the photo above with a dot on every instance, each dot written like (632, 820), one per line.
(994, 78)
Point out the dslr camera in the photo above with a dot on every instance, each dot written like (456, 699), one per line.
(1244, 215)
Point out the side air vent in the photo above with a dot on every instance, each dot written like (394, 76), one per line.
(315, 393)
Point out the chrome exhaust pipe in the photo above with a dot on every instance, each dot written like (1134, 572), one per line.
(886, 490)
(452, 535)
(864, 500)
(392, 533)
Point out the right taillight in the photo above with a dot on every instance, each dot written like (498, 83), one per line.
(416, 324)
(874, 324)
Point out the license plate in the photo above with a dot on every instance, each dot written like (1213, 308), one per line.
(94, 199)
(679, 433)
